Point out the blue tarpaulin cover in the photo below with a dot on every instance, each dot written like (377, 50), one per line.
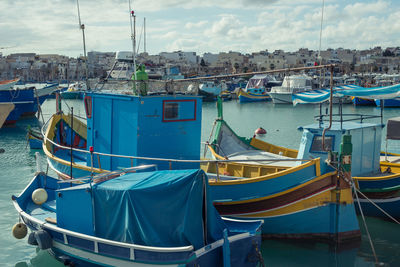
(161, 208)
(321, 95)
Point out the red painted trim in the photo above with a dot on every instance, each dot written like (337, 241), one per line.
(180, 100)
(88, 106)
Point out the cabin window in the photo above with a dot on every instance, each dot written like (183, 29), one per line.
(171, 111)
(179, 110)
(316, 145)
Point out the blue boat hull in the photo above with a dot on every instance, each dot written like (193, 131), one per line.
(363, 102)
(388, 103)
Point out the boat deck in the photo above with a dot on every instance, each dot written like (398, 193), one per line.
(391, 159)
(263, 158)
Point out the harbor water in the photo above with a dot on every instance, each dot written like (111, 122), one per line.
(18, 165)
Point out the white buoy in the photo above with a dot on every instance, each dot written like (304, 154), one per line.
(39, 196)
(19, 230)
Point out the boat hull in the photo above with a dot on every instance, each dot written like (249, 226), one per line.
(249, 97)
(5, 110)
(388, 103)
(281, 98)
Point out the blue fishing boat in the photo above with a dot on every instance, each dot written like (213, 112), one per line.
(134, 217)
(128, 131)
(26, 100)
(388, 103)
(296, 197)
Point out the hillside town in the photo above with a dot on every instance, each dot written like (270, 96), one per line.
(31, 67)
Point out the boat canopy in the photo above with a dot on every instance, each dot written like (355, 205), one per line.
(259, 81)
(322, 95)
(160, 208)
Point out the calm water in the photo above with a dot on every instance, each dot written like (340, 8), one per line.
(17, 166)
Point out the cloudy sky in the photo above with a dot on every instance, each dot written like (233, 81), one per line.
(51, 26)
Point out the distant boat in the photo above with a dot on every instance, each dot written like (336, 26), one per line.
(26, 100)
(291, 85)
(257, 88)
(74, 91)
(8, 84)
(5, 109)
(210, 90)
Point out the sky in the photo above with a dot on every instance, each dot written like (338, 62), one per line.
(246, 26)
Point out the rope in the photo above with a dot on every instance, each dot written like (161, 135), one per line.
(366, 227)
(209, 139)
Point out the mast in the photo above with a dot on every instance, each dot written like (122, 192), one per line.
(132, 18)
(320, 38)
(82, 27)
(144, 42)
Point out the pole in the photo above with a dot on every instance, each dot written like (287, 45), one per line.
(82, 27)
(72, 128)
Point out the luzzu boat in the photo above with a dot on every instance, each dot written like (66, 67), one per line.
(296, 198)
(306, 193)
(257, 88)
(119, 219)
(253, 95)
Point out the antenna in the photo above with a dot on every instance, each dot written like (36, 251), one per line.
(82, 27)
(132, 18)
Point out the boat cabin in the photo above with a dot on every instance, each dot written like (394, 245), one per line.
(365, 139)
(154, 126)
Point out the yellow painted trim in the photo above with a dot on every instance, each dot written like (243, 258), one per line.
(277, 194)
(377, 178)
(309, 203)
(268, 147)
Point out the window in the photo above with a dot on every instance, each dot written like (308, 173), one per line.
(179, 110)
(171, 111)
(316, 145)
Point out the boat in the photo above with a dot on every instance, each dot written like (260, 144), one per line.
(252, 95)
(34, 138)
(295, 193)
(8, 84)
(119, 219)
(5, 109)
(74, 91)
(177, 119)
(257, 88)
(210, 90)
(359, 101)
(388, 103)
(27, 100)
(291, 84)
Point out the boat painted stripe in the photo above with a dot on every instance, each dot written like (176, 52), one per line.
(379, 178)
(280, 193)
(380, 200)
(278, 202)
(313, 201)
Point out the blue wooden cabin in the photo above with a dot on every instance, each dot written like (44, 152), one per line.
(145, 126)
(365, 139)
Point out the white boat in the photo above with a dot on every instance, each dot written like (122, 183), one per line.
(5, 109)
(291, 85)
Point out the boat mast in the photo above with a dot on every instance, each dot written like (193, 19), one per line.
(132, 18)
(144, 37)
(320, 38)
(82, 27)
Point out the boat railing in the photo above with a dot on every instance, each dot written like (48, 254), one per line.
(345, 117)
(170, 161)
